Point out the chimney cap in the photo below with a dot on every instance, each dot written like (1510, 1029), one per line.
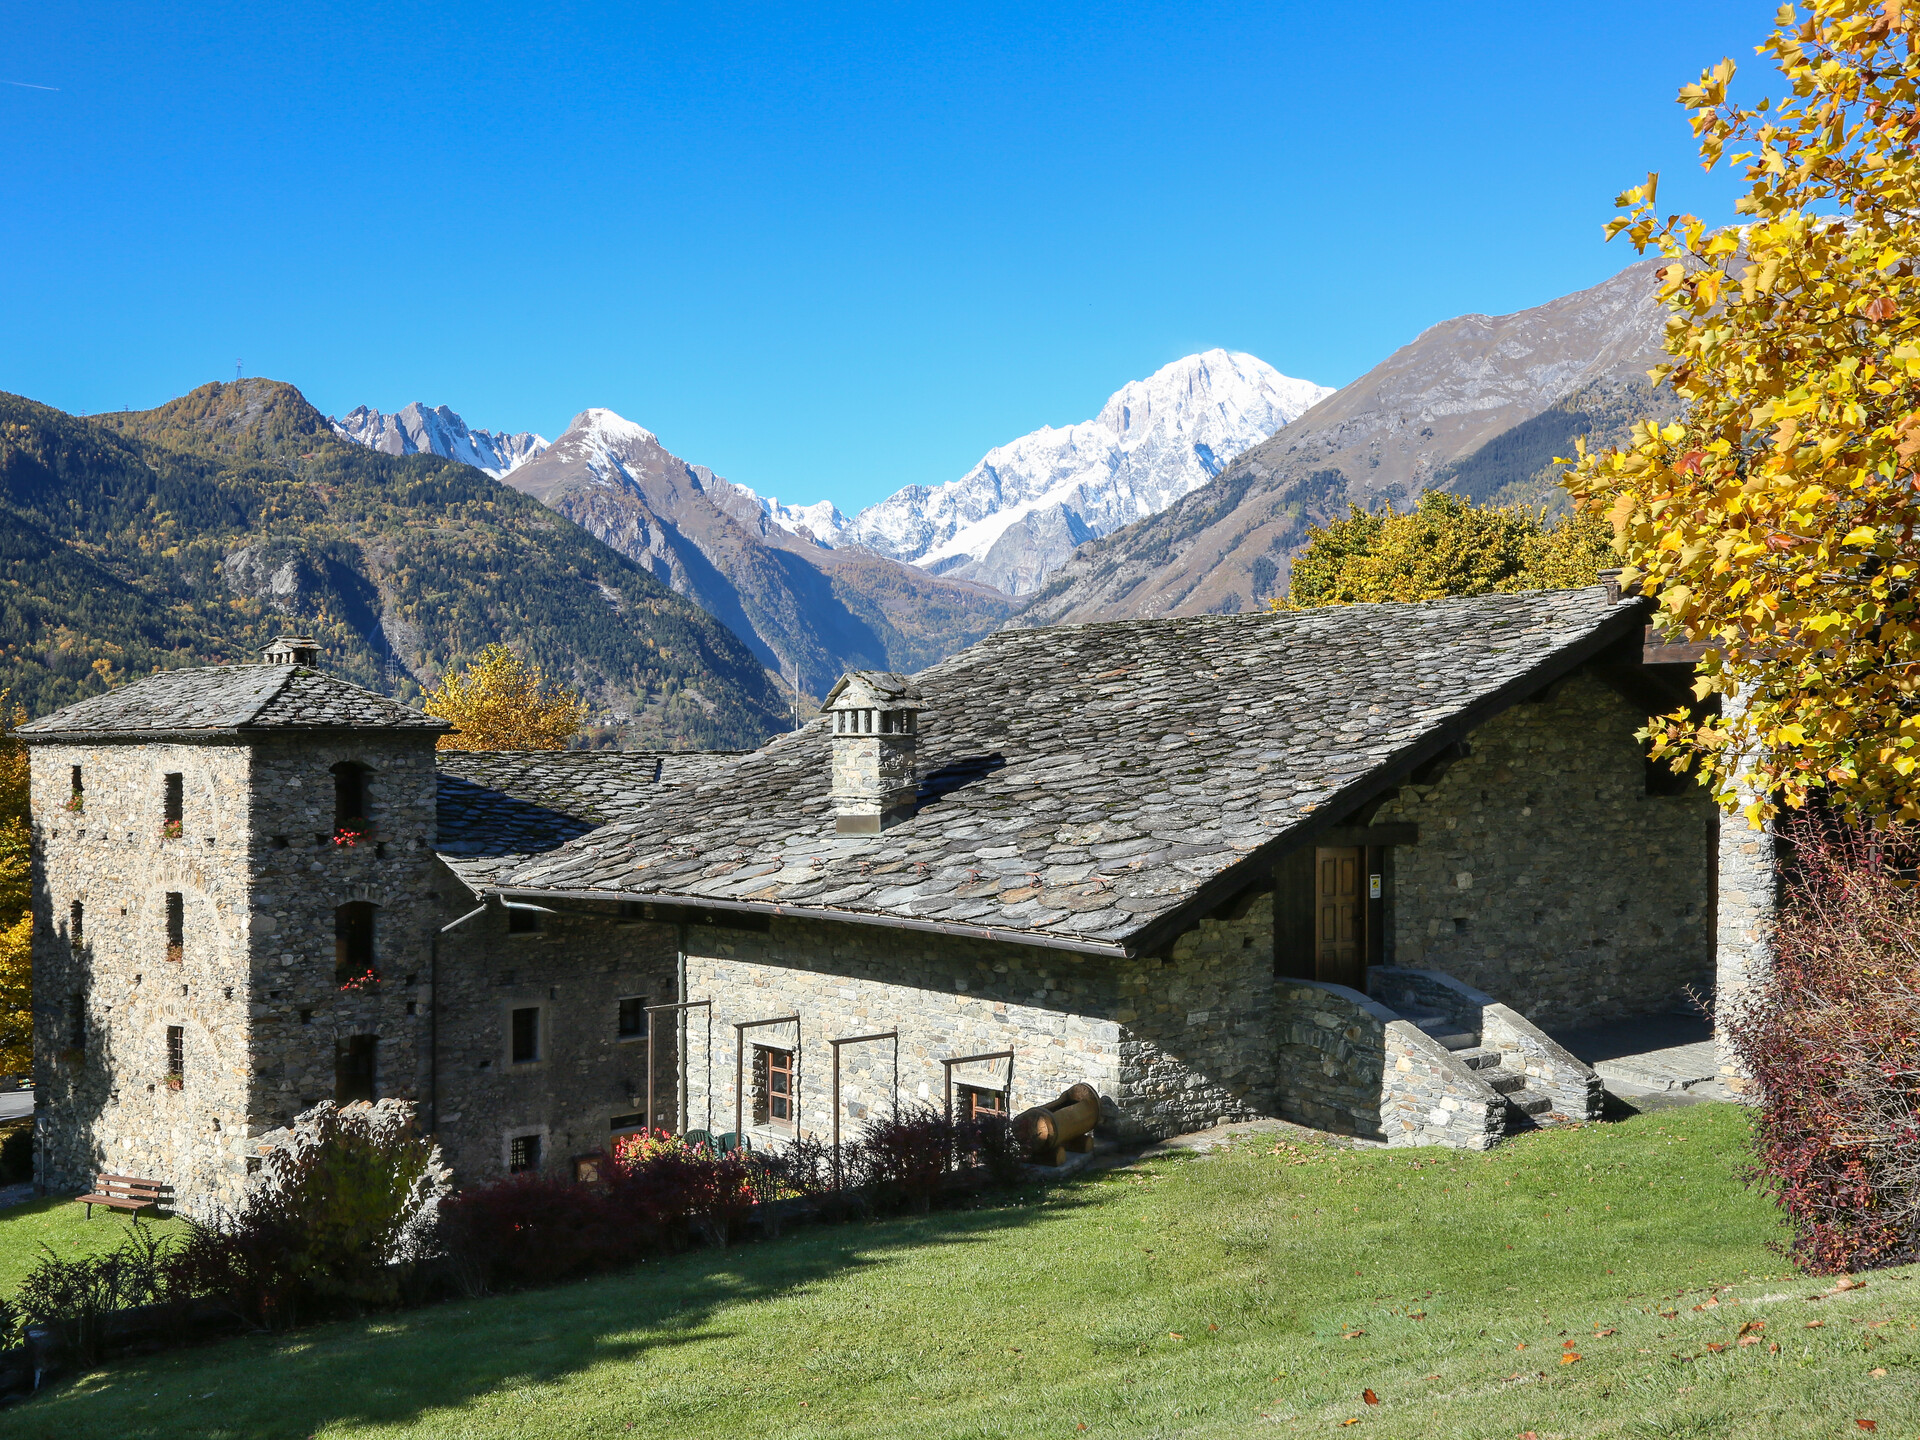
(872, 690)
(292, 650)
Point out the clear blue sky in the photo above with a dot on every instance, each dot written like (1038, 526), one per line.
(828, 252)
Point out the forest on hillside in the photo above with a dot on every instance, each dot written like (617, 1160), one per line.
(196, 532)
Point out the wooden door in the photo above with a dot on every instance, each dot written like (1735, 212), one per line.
(1339, 925)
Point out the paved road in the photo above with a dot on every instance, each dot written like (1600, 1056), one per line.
(15, 1103)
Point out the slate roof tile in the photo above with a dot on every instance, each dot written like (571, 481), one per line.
(1180, 748)
(226, 698)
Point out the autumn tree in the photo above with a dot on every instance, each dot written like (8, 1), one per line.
(1444, 546)
(16, 915)
(501, 702)
(1776, 517)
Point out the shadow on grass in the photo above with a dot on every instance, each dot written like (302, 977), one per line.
(391, 1369)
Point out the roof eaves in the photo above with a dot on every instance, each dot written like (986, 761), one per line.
(1040, 938)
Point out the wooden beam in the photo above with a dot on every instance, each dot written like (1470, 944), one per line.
(1400, 832)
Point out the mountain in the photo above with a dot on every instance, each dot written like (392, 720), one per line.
(195, 532)
(418, 430)
(798, 601)
(1018, 514)
(1478, 404)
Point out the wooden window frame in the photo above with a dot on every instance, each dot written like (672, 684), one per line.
(765, 1097)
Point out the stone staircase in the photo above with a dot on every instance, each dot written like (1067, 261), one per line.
(1525, 1107)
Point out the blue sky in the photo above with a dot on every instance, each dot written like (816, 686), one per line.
(828, 254)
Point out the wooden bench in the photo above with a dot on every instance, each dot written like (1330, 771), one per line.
(125, 1192)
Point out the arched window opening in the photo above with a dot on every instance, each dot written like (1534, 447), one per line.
(350, 818)
(353, 944)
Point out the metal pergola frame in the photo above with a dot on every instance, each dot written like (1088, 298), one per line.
(681, 1118)
(893, 1035)
(740, 1028)
(1006, 1055)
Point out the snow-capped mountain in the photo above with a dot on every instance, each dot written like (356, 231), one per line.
(1017, 515)
(437, 431)
(768, 571)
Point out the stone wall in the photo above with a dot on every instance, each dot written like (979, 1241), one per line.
(1172, 1043)
(575, 969)
(1350, 1065)
(1545, 874)
(105, 999)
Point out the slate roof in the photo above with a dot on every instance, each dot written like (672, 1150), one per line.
(1092, 786)
(225, 699)
(500, 808)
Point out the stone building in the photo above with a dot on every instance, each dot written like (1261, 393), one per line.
(1337, 866)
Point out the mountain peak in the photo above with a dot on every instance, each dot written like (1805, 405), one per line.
(609, 428)
(1153, 441)
(255, 417)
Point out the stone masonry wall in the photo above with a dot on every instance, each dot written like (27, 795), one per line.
(1547, 876)
(103, 1000)
(575, 969)
(1172, 1043)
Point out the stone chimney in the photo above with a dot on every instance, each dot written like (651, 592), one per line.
(292, 650)
(875, 719)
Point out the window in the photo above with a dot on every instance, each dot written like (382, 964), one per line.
(173, 810)
(773, 1085)
(633, 1018)
(526, 1035)
(976, 1102)
(77, 801)
(76, 923)
(349, 799)
(176, 1057)
(353, 942)
(521, 921)
(77, 1023)
(176, 924)
(353, 1069)
(635, 1121)
(523, 1153)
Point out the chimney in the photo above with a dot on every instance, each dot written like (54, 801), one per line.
(292, 650)
(875, 719)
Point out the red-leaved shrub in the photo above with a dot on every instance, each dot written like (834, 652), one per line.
(536, 1229)
(907, 1159)
(1831, 1036)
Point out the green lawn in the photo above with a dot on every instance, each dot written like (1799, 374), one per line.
(62, 1225)
(1249, 1292)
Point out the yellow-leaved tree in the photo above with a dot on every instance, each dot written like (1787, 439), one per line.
(1444, 546)
(16, 915)
(1776, 518)
(501, 702)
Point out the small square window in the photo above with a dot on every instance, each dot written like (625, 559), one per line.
(523, 1153)
(976, 1102)
(526, 1035)
(633, 1017)
(522, 922)
(773, 1082)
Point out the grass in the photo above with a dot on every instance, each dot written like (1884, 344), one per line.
(63, 1226)
(1259, 1290)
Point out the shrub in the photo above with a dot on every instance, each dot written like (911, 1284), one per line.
(1831, 1037)
(77, 1296)
(534, 1230)
(907, 1159)
(346, 1196)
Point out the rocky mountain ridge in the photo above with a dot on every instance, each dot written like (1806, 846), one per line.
(1425, 416)
(422, 430)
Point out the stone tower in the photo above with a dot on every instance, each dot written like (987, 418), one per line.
(231, 894)
(875, 719)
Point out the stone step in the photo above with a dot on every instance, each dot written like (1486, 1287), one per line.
(1477, 1057)
(1529, 1102)
(1454, 1040)
(1507, 1082)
